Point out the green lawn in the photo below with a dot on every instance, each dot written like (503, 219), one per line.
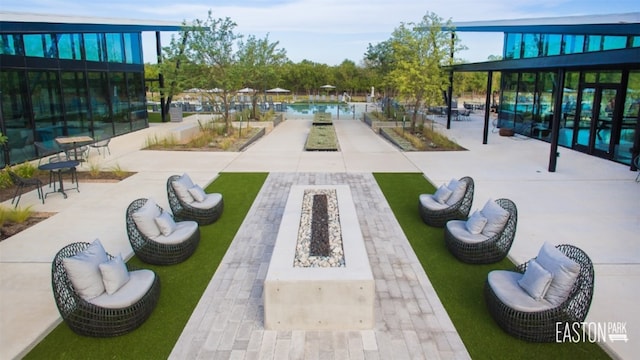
(182, 286)
(460, 286)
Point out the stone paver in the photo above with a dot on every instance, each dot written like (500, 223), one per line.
(230, 313)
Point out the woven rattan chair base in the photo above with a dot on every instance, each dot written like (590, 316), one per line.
(491, 250)
(183, 211)
(458, 211)
(153, 252)
(87, 319)
(542, 326)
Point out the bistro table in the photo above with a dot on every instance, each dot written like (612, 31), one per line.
(58, 167)
(67, 142)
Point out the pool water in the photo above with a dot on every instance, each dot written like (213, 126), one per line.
(342, 111)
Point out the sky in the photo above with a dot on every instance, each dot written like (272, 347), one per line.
(327, 31)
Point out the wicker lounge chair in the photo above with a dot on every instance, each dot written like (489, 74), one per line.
(160, 250)
(481, 249)
(438, 215)
(203, 212)
(542, 325)
(86, 318)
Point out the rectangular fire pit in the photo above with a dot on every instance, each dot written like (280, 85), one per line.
(319, 298)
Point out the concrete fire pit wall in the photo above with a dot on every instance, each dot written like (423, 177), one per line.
(306, 298)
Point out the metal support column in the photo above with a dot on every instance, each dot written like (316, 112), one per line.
(487, 108)
(450, 90)
(555, 122)
(160, 77)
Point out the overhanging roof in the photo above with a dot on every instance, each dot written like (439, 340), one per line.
(609, 24)
(14, 22)
(600, 59)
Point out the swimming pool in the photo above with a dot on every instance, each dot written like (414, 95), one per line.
(337, 111)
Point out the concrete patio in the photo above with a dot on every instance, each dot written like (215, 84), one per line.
(589, 202)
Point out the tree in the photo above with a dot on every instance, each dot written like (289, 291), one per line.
(258, 61)
(211, 48)
(418, 53)
(169, 67)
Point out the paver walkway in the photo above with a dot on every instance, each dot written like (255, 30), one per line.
(411, 323)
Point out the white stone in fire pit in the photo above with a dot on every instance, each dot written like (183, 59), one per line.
(319, 298)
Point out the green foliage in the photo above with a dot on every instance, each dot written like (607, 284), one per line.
(460, 286)
(19, 214)
(3, 138)
(118, 171)
(25, 170)
(322, 138)
(182, 287)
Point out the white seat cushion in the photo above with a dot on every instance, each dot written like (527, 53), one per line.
(197, 193)
(427, 201)
(458, 228)
(182, 232)
(497, 218)
(209, 201)
(145, 218)
(564, 270)
(84, 272)
(139, 283)
(505, 285)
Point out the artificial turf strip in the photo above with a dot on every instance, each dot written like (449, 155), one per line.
(181, 285)
(460, 286)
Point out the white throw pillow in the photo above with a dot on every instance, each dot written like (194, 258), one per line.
(565, 272)
(182, 186)
(165, 223)
(198, 193)
(453, 184)
(145, 217)
(458, 188)
(114, 274)
(497, 218)
(442, 194)
(476, 223)
(536, 280)
(83, 271)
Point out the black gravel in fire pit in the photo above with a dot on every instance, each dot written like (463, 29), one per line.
(319, 245)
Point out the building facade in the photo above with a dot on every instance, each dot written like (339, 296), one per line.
(573, 81)
(64, 76)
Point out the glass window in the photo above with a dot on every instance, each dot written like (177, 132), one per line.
(94, 47)
(630, 115)
(569, 106)
(512, 46)
(74, 91)
(614, 42)
(531, 45)
(120, 102)
(138, 97)
(552, 44)
(115, 48)
(506, 113)
(99, 102)
(573, 44)
(132, 48)
(636, 41)
(543, 111)
(10, 44)
(33, 45)
(47, 105)
(594, 43)
(69, 46)
(16, 117)
(525, 100)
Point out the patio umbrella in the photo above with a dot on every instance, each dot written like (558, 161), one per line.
(246, 90)
(327, 87)
(278, 91)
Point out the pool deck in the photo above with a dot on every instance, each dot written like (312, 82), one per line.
(589, 202)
